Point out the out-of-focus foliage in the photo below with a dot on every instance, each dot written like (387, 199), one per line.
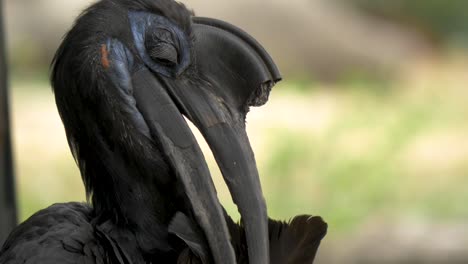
(444, 21)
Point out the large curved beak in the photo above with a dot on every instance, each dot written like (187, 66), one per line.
(235, 73)
(229, 73)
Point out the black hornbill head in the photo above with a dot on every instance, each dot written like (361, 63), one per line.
(125, 77)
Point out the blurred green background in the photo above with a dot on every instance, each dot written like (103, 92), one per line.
(368, 129)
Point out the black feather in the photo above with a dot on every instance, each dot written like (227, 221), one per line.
(296, 242)
(62, 233)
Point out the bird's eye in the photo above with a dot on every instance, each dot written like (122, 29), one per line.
(160, 47)
(163, 53)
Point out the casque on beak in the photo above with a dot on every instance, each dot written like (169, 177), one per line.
(229, 73)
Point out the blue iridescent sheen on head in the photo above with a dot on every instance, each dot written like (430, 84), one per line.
(140, 22)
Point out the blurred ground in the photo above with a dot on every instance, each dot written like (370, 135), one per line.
(368, 129)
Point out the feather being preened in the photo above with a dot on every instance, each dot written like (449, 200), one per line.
(293, 242)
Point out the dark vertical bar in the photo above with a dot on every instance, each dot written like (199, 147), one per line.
(7, 185)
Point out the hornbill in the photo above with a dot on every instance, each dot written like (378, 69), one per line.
(124, 78)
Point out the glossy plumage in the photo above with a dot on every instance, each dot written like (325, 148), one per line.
(62, 233)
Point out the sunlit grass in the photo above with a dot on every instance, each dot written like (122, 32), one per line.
(348, 152)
